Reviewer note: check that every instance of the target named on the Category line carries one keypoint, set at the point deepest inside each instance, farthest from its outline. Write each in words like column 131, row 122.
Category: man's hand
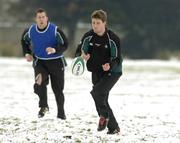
column 106, row 67
column 28, row 57
column 85, row 56
column 50, row 50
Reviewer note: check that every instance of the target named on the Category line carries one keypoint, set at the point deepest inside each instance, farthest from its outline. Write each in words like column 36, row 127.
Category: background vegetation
column 148, row 29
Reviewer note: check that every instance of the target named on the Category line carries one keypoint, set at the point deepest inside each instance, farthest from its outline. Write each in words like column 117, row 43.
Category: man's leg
column 112, row 124
column 100, row 94
column 57, row 83
column 41, row 81
column 95, row 79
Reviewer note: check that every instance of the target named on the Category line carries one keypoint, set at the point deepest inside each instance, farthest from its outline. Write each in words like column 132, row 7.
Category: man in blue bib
column 44, row 44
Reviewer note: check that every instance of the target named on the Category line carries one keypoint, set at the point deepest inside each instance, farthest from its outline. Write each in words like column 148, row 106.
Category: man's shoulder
column 32, row 26
column 27, row 29
column 113, row 35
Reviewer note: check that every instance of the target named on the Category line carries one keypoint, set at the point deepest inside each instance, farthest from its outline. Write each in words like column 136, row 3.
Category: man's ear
column 105, row 23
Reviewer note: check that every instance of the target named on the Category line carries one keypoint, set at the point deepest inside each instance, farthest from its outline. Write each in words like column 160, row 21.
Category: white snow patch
column 145, row 102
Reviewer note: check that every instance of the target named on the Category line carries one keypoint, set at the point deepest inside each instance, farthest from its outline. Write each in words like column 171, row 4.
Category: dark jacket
column 102, row 49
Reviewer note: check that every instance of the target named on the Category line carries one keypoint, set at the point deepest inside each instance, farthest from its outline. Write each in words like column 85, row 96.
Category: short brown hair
column 40, row 10
column 99, row 14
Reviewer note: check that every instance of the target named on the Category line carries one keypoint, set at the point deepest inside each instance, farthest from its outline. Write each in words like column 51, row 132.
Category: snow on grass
column 145, row 102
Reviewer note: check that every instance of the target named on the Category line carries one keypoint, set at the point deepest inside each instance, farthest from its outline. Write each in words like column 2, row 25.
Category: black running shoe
column 43, row 111
column 102, row 123
column 114, row 131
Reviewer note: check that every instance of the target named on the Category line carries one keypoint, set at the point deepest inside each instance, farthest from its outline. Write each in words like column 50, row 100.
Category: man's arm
column 25, row 42
column 83, row 46
column 26, row 46
column 62, row 42
column 115, row 51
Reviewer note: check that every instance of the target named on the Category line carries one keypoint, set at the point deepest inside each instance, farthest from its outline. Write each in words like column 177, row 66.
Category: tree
column 65, row 12
column 147, row 26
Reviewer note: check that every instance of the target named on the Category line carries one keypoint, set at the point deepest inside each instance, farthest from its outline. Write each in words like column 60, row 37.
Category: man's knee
column 40, row 84
column 38, row 79
column 96, row 91
column 98, row 96
column 37, row 88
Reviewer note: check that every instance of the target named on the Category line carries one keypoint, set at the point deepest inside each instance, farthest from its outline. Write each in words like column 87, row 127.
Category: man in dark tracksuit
column 44, row 43
column 100, row 47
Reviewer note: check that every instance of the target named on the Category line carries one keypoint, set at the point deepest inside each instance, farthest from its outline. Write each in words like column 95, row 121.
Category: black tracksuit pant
column 55, row 70
column 102, row 84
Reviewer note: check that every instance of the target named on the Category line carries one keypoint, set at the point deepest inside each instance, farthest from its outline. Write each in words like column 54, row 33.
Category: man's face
column 41, row 20
column 98, row 25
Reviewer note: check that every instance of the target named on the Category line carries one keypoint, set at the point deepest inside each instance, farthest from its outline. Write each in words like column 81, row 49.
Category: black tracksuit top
column 102, row 49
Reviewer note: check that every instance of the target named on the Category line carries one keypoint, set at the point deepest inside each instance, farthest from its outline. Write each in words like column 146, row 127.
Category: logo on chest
column 100, row 45
column 97, row 45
